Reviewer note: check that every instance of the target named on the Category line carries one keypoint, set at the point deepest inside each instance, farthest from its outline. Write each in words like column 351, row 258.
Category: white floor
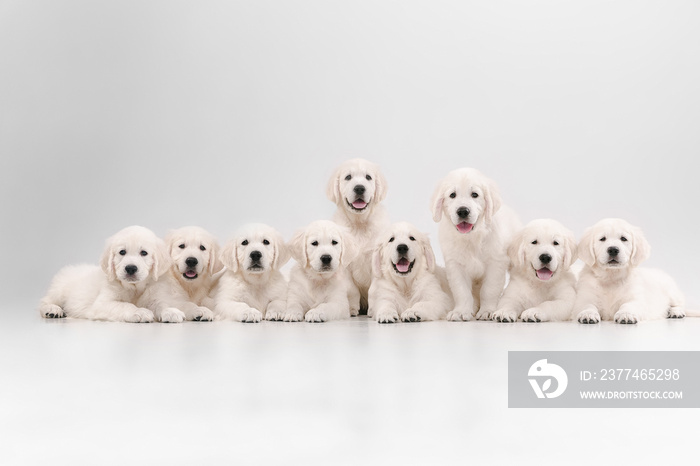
column 351, row 392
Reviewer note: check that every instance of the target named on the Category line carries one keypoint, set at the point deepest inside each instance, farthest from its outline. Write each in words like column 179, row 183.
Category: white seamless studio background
column 217, row 114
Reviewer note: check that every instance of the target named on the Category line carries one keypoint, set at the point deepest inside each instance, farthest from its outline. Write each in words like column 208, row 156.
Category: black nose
column 402, row 249
column 131, row 269
column 545, row 258
column 256, row 255
column 359, row 190
column 463, row 212
column 191, row 261
column 326, row 259
column 613, row 251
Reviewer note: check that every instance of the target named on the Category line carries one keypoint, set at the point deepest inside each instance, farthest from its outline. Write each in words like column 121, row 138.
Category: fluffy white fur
column 133, row 260
column 357, row 187
column 405, row 285
column 542, row 287
column 612, row 286
column 184, row 292
column 473, row 244
column 252, row 288
column 318, row 284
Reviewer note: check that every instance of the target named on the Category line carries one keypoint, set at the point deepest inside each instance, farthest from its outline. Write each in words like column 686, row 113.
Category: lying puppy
column 318, row 285
column 357, row 187
column 474, row 232
column 405, row 285
column 612, row 286
column 541, row 288
column 133, row 259
column 184, row 292
column 252, row 288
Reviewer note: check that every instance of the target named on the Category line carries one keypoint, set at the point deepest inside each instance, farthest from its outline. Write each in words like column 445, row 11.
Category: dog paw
column 293, row 316
column 484, row 314
column 588, row 317
column 410, row 315
column 202, row 314
column 274, row 315
column 251, row 316
column 505, row 316
column 676, row 313
column 52, row 311
column 459, row 315
column 534, row 315
column 387, row 317
column 172, row 315
column 624, row 317
column 140, row 315
column 315, row 316
column 354, row 311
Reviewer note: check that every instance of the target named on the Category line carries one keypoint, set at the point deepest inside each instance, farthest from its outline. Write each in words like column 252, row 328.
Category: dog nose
column 402, row 249
column 463, row 212
column 191, row 261
column 131, row 269
column 613, row 251
column 326, row 259
column 256, row 255
column 545, row 258
column 359, row 190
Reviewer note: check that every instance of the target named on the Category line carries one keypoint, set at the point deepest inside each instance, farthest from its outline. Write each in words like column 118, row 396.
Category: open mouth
column 465, row 227
column 190, row 274
column 613, row 263
column 256, row 268
column 131, row 279
column 358, row 204
column 544, row 274
column 403, row 266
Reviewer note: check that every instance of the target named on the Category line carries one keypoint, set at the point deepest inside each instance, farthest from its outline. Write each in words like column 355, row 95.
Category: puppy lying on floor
column 405, row 285
column 541, row 287
column 612, row 286
column 318, row 284
column 133, row 259
column 252, row 288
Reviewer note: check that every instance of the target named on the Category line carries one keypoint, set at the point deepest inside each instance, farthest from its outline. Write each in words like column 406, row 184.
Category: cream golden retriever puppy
column 184, row 292
column 541, row 287
column 405, row 285
column 612, row 286
column 474, row 232
column 252, row 288
column 318, row 284
column 132, row 261
column 357, row 187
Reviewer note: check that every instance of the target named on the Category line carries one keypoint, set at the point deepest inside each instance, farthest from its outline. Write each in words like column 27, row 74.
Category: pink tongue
column 190, row 274
column 544, row 274
column 465, row 227
column 359, row 204
column 402, row 265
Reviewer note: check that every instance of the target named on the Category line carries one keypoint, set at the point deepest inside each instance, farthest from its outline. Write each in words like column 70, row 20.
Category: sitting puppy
column 541, row 288
column 611, row 286
column 252, row 287
column 318, row 284
column 133, row 260
column 405, row 285
column 183, row 293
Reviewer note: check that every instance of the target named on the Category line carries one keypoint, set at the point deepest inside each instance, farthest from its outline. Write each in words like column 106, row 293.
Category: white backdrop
column 220, row 113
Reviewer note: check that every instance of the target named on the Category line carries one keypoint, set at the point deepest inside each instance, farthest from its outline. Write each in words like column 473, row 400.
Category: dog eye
column 453, row 195
column 348, row 178
column 144, row 253
column 603, row 238
column 369, row 178
column 122, row 252
column 266, row 242
column 534, row 242
column 334, row 242
column 556, row 243
column 315, row 243
column 244, row 243
column 182, row 246
column 391, row 240
column 411, row 238
column 475, row 195
column 202, row 248
column 622, row 238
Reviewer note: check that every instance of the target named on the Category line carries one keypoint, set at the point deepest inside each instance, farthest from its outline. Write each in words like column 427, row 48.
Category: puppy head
column 322, row 247
column 255, row 249
column 356, row 186
column 543, row 248
column 194, row 251
column 613, row 243
column 134, row 254
column 401, row 251
column 467, row 198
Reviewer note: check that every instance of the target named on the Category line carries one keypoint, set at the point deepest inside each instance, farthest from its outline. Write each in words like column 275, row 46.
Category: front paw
column 459, row 314
column 354, row 311
column 274, row 315
column 172, row 315
column 52, row 311
column 293, row 316
column 411, row 315
column 484, row 314
column 202, row 314
column 625, row 317
column 314, row 315
column 588, row 317
column 505, row 316
column 676, row 313
column 387, row 316
column 250, row 315
column 140, row 315
column 534, row 315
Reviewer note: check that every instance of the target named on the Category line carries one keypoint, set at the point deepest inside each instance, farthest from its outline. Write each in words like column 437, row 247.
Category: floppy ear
column 381, row 186
column 215, row 264
column 640, row 247
column 492, row 198
column 107, row 261
column 280, row 251
column 570, row 253
column 428, row 251
column 348, row 248
column 377, row 260
column 161, row 259
column 516, row 249
column 437, row 201
column 229, row 255
column 333, row 187
column 586, row 250
column 297, row 247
